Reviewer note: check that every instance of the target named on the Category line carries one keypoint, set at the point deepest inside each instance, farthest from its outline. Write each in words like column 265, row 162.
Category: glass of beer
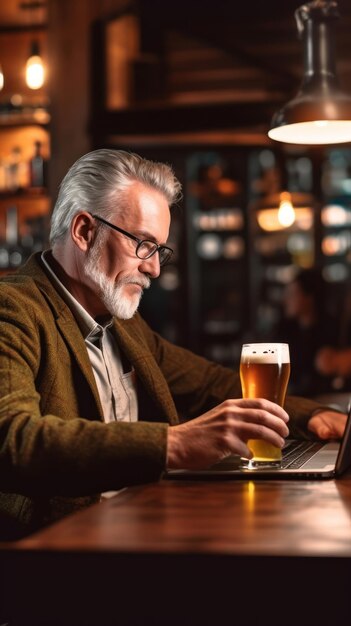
column 264, row 373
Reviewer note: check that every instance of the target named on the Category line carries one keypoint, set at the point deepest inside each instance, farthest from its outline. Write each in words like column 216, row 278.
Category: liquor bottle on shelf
column 23, row 174
column 15, row 256
column 3, row 178
column 14, row 175
column 37, row 168
column 13, row 169
column 36, row 229
column 4, row 255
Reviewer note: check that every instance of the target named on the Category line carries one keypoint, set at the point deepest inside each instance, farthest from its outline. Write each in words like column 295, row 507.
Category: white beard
column 112, row 293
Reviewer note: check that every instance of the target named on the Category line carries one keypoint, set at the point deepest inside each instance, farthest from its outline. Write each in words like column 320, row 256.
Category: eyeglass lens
column 146, row 249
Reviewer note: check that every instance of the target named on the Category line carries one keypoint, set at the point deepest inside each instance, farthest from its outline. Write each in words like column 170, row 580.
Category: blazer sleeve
column 56, row 450
column 197, row 384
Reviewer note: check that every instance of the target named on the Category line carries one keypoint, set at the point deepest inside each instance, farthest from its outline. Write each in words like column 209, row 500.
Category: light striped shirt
column 117, row 388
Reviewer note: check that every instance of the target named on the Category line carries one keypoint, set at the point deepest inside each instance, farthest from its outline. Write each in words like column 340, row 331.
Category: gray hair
column 97, row 181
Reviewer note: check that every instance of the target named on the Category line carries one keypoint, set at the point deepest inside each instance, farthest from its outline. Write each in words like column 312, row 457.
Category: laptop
column 301, row 459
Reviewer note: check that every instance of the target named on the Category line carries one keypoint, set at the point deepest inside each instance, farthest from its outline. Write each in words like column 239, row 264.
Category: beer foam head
column 265, row 353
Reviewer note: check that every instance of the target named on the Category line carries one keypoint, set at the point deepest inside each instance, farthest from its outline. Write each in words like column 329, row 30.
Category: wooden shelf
column 25, row 117
column 158, row 120
column 24, row 194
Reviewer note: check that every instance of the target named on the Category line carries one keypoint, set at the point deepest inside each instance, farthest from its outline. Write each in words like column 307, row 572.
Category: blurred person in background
column 335, row 362
column 307, row 327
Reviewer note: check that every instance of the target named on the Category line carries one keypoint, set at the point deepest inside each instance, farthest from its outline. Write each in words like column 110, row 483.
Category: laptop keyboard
column 296, row 453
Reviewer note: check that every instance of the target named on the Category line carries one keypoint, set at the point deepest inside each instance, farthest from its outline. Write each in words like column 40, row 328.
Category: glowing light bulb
column 35, row 73
column 286, row 212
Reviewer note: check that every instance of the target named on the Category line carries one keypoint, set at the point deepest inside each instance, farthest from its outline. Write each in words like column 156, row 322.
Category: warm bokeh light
column 2, row 81
column 35, row 73
column 336, row 215
column 336, row 244
column 286, row 212
column 269, row 221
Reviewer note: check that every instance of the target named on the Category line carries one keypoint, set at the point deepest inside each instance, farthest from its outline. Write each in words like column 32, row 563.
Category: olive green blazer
column 56, row 453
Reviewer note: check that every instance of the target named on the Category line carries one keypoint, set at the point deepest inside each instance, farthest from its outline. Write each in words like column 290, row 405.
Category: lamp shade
column 320, row 113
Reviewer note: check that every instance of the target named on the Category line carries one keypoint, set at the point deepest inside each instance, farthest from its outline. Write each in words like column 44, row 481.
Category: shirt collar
column 89, row 327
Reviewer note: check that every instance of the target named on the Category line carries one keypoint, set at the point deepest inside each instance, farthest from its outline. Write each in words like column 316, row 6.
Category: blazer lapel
column 147, row 371
column 74, row 340
column 67, row 326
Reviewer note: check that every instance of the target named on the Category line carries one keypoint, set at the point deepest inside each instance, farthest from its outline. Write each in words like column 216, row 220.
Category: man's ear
column 83, row 230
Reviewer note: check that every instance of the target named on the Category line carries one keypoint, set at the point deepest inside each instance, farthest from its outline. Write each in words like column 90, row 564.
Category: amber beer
column 264, row 373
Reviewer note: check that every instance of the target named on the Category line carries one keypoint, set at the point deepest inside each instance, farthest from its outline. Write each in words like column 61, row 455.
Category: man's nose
column 151, row 265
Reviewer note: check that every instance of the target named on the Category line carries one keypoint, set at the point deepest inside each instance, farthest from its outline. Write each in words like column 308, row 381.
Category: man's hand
column 328, row 424
column 225, row 430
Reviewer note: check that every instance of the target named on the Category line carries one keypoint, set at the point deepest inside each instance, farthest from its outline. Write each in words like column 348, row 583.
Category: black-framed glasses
column 145, row 248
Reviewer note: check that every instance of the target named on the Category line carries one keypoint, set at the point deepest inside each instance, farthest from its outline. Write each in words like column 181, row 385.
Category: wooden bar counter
column 184, row 553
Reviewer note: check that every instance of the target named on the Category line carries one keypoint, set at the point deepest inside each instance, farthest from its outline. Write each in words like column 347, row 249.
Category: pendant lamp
column 320, row 113
column 35, row 74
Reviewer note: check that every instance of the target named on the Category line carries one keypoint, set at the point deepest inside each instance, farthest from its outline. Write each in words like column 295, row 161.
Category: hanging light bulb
column 35, row 73
column 2, row 81
column 279, row 211
column 320, row 113
column 286, row 211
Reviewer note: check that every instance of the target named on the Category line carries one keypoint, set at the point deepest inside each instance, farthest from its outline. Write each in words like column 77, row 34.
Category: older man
column 89, row 394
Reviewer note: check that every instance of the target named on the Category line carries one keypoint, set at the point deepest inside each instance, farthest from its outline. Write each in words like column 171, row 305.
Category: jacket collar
column 64, row 318
column 146, row 368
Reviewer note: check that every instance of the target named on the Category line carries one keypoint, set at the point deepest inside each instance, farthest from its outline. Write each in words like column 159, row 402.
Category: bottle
column 15, row 256
column 37, row 168
column 4, row 255
column 13, row 169
column 3, row 176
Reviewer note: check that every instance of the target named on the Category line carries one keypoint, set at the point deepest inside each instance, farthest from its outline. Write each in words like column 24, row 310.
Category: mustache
column 144, row 282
